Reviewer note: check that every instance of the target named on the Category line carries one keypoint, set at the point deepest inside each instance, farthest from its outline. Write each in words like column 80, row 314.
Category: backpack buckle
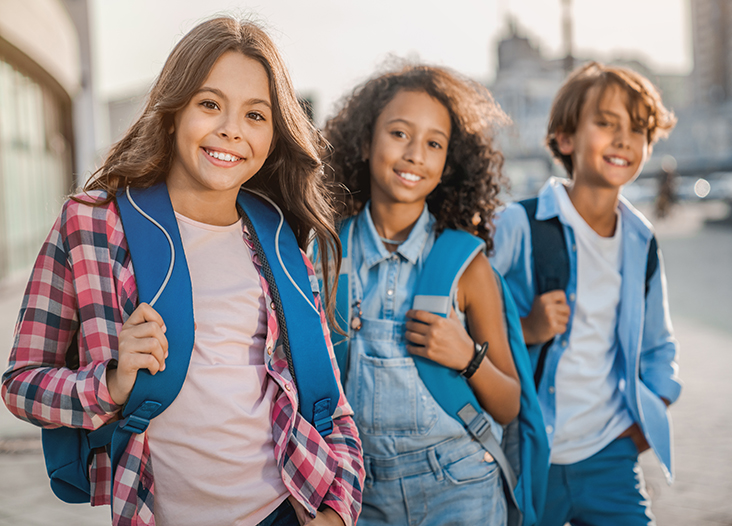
column 138, row 421
column 322, row 421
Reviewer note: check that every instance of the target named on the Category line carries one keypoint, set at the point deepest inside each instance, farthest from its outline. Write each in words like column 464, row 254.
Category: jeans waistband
column 420, row 462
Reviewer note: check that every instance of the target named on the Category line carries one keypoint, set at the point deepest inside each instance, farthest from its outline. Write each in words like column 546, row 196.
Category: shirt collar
column 548, row 207
column 373, row 248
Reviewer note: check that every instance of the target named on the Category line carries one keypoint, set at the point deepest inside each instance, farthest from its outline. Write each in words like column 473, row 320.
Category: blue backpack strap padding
column 531, row 459
column 436, row 284
column 151, row 252
column 300, row 325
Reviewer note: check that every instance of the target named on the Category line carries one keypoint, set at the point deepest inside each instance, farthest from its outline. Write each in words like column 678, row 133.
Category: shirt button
column 574, row 248
column 272, row 305
column 287, row 387
column 551, row 389
column 571, row 297
column 390, row 292
column 549, row 430
column 269, row 350
column 564, row 343
column 249, row 236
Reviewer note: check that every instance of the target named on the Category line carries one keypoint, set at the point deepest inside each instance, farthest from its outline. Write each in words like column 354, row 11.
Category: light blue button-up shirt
column 650, row 371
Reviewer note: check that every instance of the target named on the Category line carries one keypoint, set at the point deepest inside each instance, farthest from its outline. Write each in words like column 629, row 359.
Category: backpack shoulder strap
column 651, row 261
column 551, row 265
column 450, row 256
column 163, row 281
column 343, row 296
column 299, row 319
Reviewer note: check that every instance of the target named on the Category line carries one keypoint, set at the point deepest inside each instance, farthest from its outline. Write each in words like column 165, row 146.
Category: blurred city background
column 74, row 75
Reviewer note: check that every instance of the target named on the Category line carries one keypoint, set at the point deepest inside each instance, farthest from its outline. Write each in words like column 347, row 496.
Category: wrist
column 480, row 352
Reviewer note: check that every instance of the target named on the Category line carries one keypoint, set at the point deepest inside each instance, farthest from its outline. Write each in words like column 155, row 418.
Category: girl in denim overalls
column 414, row 150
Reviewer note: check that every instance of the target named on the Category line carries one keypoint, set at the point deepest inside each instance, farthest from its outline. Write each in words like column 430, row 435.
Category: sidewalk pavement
column 697, row 265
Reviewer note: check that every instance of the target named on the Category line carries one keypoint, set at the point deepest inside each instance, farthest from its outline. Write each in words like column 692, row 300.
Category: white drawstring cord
column 170, row 241
column 277, row 249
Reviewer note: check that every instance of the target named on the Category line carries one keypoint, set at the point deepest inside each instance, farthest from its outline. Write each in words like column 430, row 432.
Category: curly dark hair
column 467, row 197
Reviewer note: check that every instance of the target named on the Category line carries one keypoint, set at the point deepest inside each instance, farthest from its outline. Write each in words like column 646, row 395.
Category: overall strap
column 551, row 263
column 299, row 319
column 436, row 284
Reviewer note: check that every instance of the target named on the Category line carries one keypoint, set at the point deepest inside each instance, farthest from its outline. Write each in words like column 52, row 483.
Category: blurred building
column 40, row 74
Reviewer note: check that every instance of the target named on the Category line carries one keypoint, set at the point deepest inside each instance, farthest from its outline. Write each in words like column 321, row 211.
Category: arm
column 658, row 366
column 446, row 341
column 38, row 386
column 542, row 317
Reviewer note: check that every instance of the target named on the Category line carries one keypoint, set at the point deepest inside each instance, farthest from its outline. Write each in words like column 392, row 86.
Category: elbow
column 511, row 407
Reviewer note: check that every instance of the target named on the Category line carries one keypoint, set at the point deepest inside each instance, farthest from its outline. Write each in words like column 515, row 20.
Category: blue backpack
column 523, row 455
column 153, row 237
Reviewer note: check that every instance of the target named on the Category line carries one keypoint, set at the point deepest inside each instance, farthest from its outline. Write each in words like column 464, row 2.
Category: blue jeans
column 284, row 515
column 606, row 489
column 449, row 484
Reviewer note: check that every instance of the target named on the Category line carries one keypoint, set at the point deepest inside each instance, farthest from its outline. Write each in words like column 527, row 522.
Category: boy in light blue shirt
column 601, row 343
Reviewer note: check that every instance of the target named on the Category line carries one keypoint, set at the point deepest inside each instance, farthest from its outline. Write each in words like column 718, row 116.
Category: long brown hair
column 467, row 196
column 292, row 175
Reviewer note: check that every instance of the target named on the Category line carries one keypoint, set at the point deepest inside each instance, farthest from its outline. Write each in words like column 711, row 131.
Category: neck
column 210, row 207
column 596, row 205
column 394, row 221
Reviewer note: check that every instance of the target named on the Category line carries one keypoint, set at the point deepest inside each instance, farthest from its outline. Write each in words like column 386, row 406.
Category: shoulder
column 634, row 218
column 86, row 218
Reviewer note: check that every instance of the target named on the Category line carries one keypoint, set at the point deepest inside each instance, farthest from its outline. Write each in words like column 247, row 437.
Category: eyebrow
column 220, row 93
column 434, row 130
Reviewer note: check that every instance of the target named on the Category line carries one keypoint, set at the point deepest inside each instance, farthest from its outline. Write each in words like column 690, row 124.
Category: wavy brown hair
column 292, row 175
column 567, row 106
column 467, row 196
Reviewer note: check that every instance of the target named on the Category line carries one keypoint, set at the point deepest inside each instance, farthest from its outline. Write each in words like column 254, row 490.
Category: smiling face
column 223, row 135
column 408, row 148
column 608, row 149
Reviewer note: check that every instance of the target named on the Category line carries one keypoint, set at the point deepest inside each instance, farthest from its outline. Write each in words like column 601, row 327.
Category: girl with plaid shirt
column 232, row 448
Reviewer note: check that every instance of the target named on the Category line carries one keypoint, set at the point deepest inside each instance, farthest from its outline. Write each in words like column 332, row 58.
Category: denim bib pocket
column 471, row 468
column 391, row 398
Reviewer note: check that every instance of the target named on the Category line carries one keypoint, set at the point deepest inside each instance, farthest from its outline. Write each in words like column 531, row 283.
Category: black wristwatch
column 480, row 351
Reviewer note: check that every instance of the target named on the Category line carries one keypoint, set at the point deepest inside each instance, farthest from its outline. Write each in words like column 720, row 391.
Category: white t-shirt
column 591, row 410
column 212, row 450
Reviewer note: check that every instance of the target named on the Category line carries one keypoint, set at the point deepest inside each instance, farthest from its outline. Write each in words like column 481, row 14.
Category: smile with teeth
column 617, row 161
column 409, row 176
column 222, row 156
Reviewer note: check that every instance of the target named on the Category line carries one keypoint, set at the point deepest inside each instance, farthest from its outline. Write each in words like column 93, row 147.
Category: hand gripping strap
column 450, row 256
column 300, row 324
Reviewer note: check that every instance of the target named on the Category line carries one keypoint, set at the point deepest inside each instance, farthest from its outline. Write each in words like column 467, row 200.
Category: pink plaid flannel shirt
column 83, row 285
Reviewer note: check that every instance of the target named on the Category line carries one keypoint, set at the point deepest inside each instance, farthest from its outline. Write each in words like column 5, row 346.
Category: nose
column 622, row 137
column 414, row 152
column 230, row 127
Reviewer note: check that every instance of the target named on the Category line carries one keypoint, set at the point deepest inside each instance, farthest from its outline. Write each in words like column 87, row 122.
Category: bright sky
column 331, row 45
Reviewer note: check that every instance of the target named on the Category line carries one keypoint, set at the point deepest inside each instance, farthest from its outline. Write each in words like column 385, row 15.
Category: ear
column 565, row 143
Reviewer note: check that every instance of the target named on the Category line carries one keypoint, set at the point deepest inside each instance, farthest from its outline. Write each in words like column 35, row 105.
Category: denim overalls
column 421, row 465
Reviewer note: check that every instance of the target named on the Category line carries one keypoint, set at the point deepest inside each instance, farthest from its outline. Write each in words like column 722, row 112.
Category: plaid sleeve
column 47, row 382
column 344, row 493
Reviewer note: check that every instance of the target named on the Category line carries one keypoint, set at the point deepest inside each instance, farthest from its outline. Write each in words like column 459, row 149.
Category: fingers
column 423, row 316
column 554, row 296
column 145, row 313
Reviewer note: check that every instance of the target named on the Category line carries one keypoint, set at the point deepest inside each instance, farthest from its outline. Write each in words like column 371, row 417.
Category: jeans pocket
column 390, row 400
column 472, row 468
